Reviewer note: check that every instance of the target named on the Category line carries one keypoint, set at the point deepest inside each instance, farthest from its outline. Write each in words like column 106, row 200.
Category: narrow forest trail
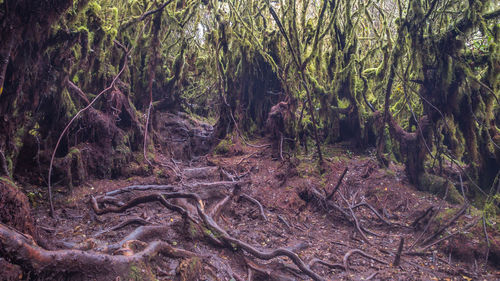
column 295, row 218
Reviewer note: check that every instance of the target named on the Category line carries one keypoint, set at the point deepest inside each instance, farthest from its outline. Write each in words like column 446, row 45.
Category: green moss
column 437, row 185
column 223, row 146
column 68, row 103
column 9, row 182
column 193, row 230
column 94, row 7
column 140, row 272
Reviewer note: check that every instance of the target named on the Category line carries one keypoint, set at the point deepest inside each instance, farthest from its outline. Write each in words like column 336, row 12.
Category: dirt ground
column 296, row 216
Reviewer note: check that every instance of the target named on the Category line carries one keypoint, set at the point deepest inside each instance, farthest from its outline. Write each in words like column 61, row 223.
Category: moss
column 135, row 273
column 9, row 182
column 391, row 173
column 223, row 146
column 94, row 7
column 68, row 103
column 193, row 230
column 190, row 269
column 139, row 272
column 437, row 185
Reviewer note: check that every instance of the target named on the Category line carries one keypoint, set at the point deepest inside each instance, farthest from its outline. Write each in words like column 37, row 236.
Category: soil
column 295, row 218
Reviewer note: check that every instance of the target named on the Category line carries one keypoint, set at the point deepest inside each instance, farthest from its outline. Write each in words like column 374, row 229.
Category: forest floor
column 296, row 216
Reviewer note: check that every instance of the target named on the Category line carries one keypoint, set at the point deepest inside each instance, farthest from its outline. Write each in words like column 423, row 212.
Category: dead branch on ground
column 397, row 259
column 446, row 225
column 360, row 252
column 337, row 185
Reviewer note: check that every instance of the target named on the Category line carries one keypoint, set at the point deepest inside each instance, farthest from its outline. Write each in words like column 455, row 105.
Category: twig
column 80, row 93
column 487, row 242
column 360, row 252
column 255, row 201
column 397, row 259
column 371, row 276
column 417, row 220
column 449, row 235
column 373, row 210
column 281, row 146
column 430, row 220
column 246, row 157
column 146, row 134
column 446, row 225
column 337, row 185
column 356, row 222
column 282, row 219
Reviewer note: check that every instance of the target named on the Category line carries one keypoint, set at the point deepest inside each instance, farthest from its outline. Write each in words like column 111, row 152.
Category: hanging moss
column 68, row 104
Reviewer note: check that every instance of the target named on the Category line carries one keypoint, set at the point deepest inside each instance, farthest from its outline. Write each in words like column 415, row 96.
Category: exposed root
column 256, row 202
column 200, row 173
column 123, row 224
column 216, row 233
column 134, row 202
column 141, row 233
column 219, row 207
column 356, row 222
column 19, row 249
column 141, row 188
column 357, row 251
column 370, row 207
column 110, row 200
column 264, row 272
column 315, row 261
column 283, row 220
column 214, row 185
